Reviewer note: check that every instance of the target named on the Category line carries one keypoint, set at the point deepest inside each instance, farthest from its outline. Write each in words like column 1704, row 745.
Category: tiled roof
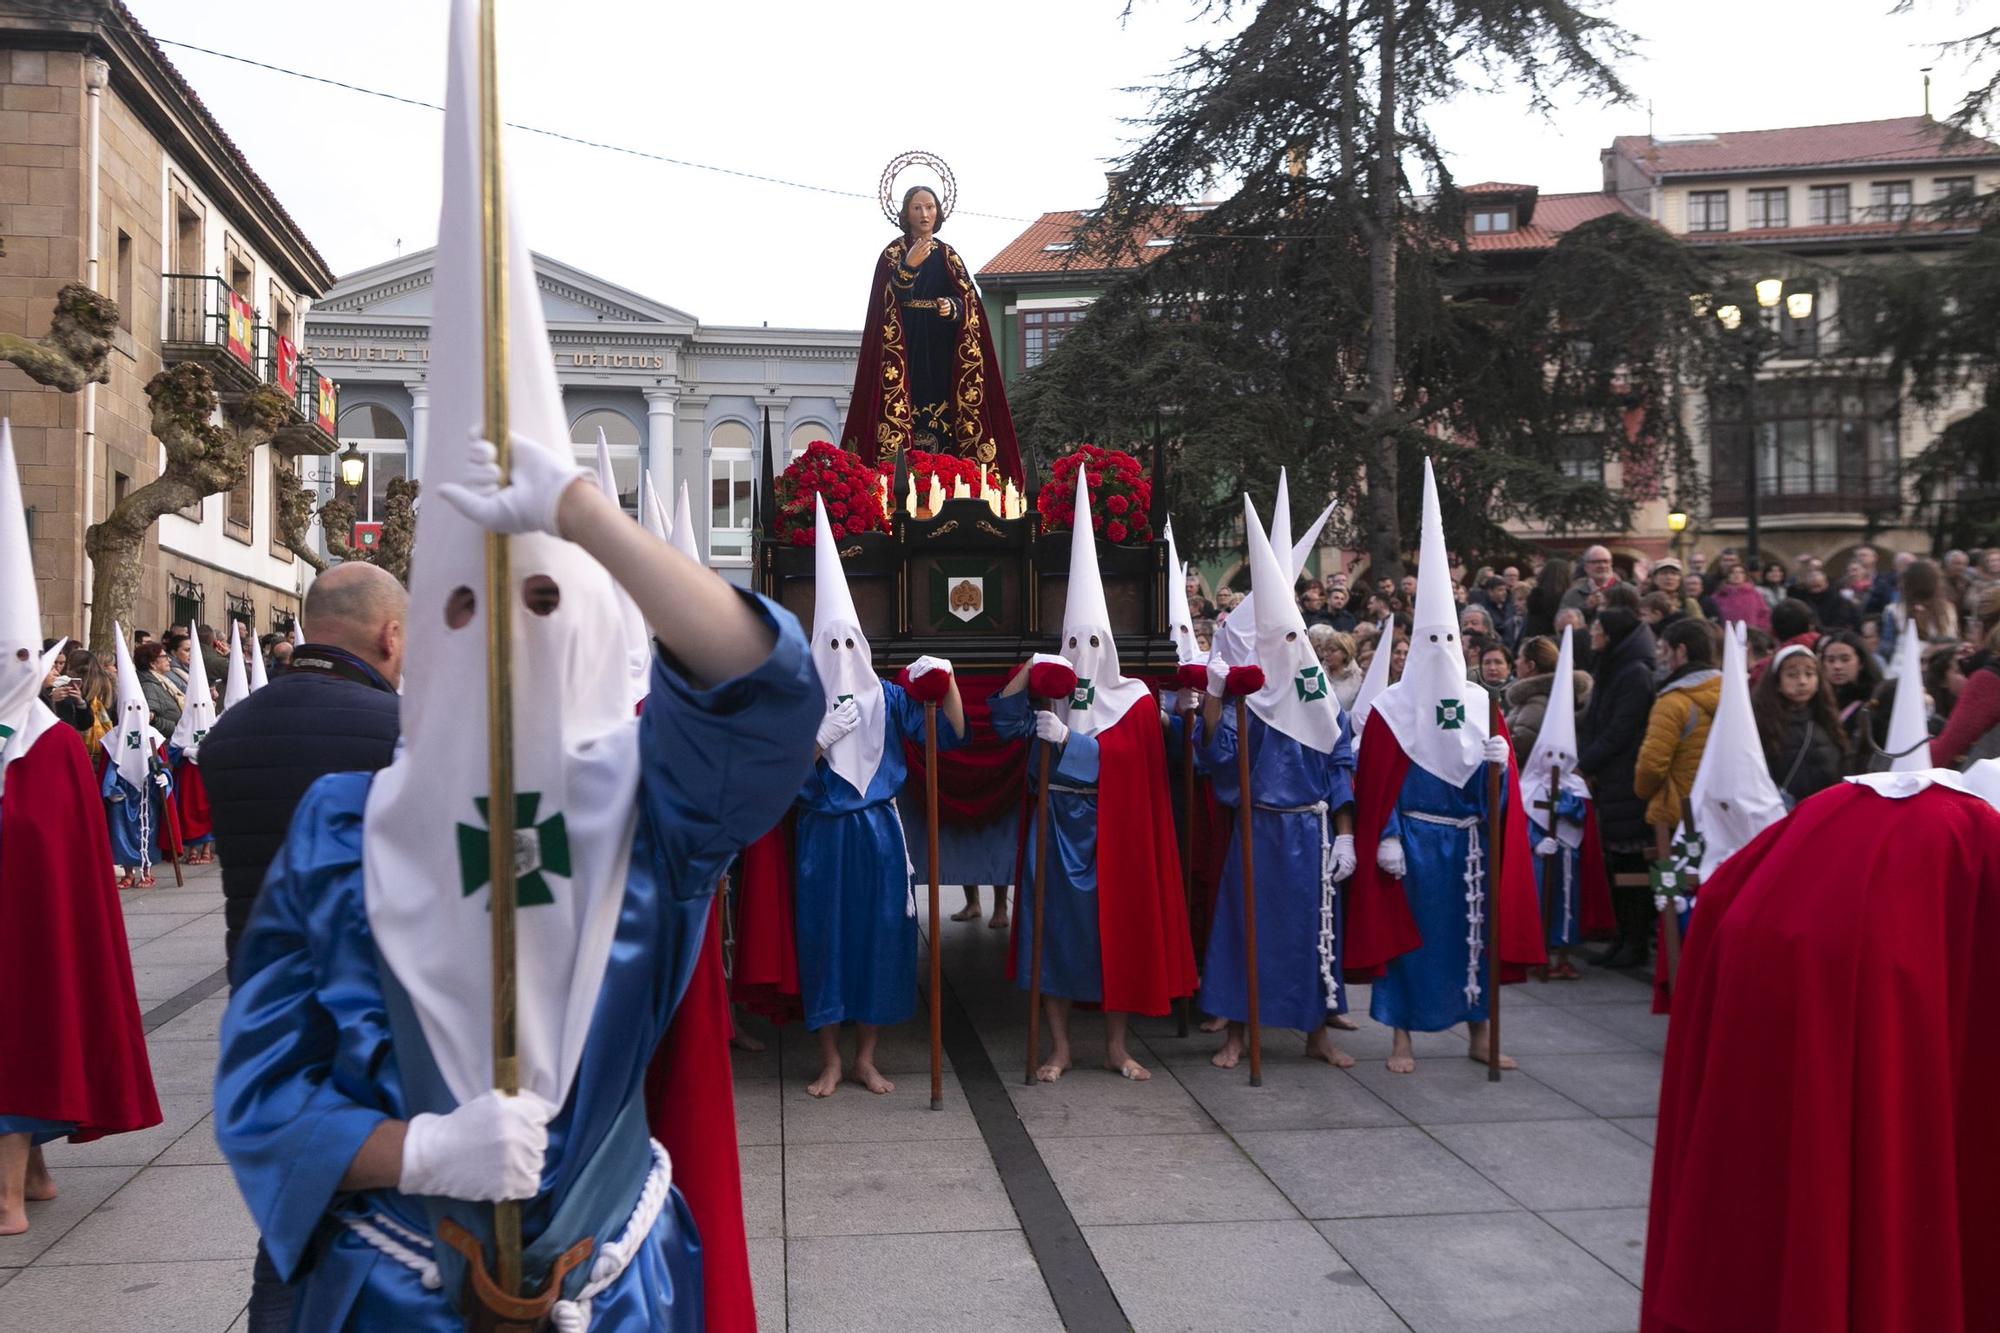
column 1856, row 231
column 1864, row 142
column 1554, row 215
column 1048, row 247
column 1497, row 187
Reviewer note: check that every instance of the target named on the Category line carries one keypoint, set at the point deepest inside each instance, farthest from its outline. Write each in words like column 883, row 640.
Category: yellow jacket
column 1676, row 733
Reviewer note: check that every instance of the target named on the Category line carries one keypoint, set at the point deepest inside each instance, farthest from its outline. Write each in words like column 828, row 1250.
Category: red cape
column 190, row 803
column 976, row 379
column 1379, row 925
column 1595, row 919
column 765, row 976
column 1142, row 918
column 691, row 1106
column 72, row 1047
column 1826, row 1156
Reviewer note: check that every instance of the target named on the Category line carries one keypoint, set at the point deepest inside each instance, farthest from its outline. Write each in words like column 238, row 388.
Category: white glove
column 160, row 781
column 487, row 1150
column 1389, row 858
column 1170, row 702
column 1496, row 749
column 1343, row 855
column 1050, row 727
column 537, row 478
column 923, row 666
column 1546, row 847
column 1218, row 677
column 839, row 720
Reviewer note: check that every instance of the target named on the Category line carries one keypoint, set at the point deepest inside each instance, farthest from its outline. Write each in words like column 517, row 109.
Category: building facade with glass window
column 206, row 267
column 677, row 401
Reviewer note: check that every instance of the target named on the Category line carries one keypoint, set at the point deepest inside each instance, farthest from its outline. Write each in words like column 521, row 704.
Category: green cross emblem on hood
column 1310, row 684
column 131, row 740
column 1085, row 694
column 1450, row 714
column 538, row 848
column 6, row 732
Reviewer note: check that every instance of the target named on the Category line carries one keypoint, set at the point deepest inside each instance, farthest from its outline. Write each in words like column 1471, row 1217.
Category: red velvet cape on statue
column 1827, row 1156
column 1142, row 925
column 1379, row 924
column 72, row 1047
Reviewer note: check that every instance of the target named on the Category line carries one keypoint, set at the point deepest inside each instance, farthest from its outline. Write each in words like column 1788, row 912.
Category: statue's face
column 923, row 213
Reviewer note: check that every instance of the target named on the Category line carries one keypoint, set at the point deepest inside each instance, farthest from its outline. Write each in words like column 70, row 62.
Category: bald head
column 359, row 609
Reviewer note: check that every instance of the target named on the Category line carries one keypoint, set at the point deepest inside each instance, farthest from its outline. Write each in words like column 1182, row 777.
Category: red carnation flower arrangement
column 1120, row 495
column 949, row 469
column 851, row 489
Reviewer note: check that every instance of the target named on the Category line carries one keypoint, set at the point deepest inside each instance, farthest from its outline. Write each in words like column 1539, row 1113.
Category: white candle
column 936, row 495
column 913, row 495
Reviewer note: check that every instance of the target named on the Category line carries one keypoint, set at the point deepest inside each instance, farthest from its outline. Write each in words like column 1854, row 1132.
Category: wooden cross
column 1547, row 805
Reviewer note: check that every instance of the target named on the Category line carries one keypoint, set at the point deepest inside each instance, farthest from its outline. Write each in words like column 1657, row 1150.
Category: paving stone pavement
column 1325, row 1199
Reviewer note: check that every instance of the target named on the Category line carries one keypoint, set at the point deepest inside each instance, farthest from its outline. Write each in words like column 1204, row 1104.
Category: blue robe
column 1072, row 965
column 1286, row 847
column 309, row 1066
column 1560, row 874
column 857, row 935
column 132, row 842
column 1424, row 990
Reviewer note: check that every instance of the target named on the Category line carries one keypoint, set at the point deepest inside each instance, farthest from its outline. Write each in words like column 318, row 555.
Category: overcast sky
column 1026, row 99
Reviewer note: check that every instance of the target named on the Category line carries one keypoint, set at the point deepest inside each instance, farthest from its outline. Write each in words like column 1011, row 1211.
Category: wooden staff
column 499, row 628
column 937, row 969
column 1254, row 1031
column 1182, row 1005
column 174, row 847
column 1035, row 937
column 1496, row 829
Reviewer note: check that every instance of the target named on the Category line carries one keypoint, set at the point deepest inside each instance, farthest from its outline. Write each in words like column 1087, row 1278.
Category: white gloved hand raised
column 1389, row 858
column 1050, row 727
column 160, row 781
column 923, row 666
column 537, row 478
column 839, row 720
column 1496, row 749
column 1546, row 847
column 1218, row 678
column 1343, row 855
column 487, row 1150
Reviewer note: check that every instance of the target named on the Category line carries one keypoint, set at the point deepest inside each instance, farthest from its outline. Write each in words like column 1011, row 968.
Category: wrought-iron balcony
column 208, row 323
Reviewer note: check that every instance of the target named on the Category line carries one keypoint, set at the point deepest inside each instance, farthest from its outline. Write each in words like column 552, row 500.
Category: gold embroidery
column 987, row 451
column 989, row 529
column 949, row 525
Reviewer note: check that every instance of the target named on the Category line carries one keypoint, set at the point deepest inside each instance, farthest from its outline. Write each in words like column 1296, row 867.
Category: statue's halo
column 892, row 206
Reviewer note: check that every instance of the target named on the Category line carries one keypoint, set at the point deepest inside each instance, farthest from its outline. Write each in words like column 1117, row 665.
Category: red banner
column 367, row 536
column 286, row 367
column 327, row 404
column 242, row 326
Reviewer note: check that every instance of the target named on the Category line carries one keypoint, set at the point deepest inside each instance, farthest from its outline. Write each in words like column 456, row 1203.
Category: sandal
column 1564, row 971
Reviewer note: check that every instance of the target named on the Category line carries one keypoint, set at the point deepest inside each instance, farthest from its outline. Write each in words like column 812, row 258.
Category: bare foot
column 1231, row 1053
column 13, row 1221
column 999, row 921
column 1214, row 1024
column 743, row 1041
column 828, row 1080
column 1053, row 1068
column 1319, row 1046
column 41, row 1185
column 969, row 912
column 1128, row 1068
column 1476, row 1050
column 869, row 1077
column 1342, row 1022
column 1402, row 1060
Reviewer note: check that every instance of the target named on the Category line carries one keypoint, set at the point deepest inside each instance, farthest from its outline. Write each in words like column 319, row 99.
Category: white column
column 420, row 426
column 660, row 444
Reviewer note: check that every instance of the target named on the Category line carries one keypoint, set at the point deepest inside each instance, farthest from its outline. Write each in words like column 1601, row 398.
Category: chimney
column 1114, row 187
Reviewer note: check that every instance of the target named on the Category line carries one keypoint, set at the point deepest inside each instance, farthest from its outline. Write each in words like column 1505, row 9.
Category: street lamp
column 1759, row 340
column 353, row 467
column 1677, row 522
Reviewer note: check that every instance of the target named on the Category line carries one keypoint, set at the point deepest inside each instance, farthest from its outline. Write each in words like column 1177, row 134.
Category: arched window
column 384, row 442
column 805, row 434
column 732, row 482
column 621, row 440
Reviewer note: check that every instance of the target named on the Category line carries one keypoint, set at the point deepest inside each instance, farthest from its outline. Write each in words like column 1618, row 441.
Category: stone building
column 676, row 399
column 113, row 173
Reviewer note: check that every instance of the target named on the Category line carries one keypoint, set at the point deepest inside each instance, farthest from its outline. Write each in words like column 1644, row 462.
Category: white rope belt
column 1475, row 894
column 1327, row 889
column 1569, row 890
column 412, row 1251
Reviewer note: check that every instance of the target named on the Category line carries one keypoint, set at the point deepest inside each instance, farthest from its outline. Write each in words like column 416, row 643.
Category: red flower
column 837, row 509
column 1117, row 504
column 800, row 537
column 1114, row 532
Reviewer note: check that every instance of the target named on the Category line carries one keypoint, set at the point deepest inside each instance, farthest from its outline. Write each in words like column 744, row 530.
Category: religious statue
column 928, row 378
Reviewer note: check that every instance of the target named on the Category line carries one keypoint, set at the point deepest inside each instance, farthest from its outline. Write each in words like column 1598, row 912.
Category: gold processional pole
column 499, row 627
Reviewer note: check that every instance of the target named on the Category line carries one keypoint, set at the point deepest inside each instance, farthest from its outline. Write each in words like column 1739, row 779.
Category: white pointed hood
column 198, row 709
column 1909, row 723
column 631, row 625
column 1103, row 694
column 576, row 743
column 682, row 534
column 1281, row 519
column 132, row 741
column 1180, row 616
column 1373, row 682
column 1236, row 638
column 651, row 516
column 845, row 662
column 298, row 632
column 1734, row 798
column 23, row 715
column 1440, row 718
column 1296, row 699
column 235, row 679
column 254, row 654
column 1555, row 747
